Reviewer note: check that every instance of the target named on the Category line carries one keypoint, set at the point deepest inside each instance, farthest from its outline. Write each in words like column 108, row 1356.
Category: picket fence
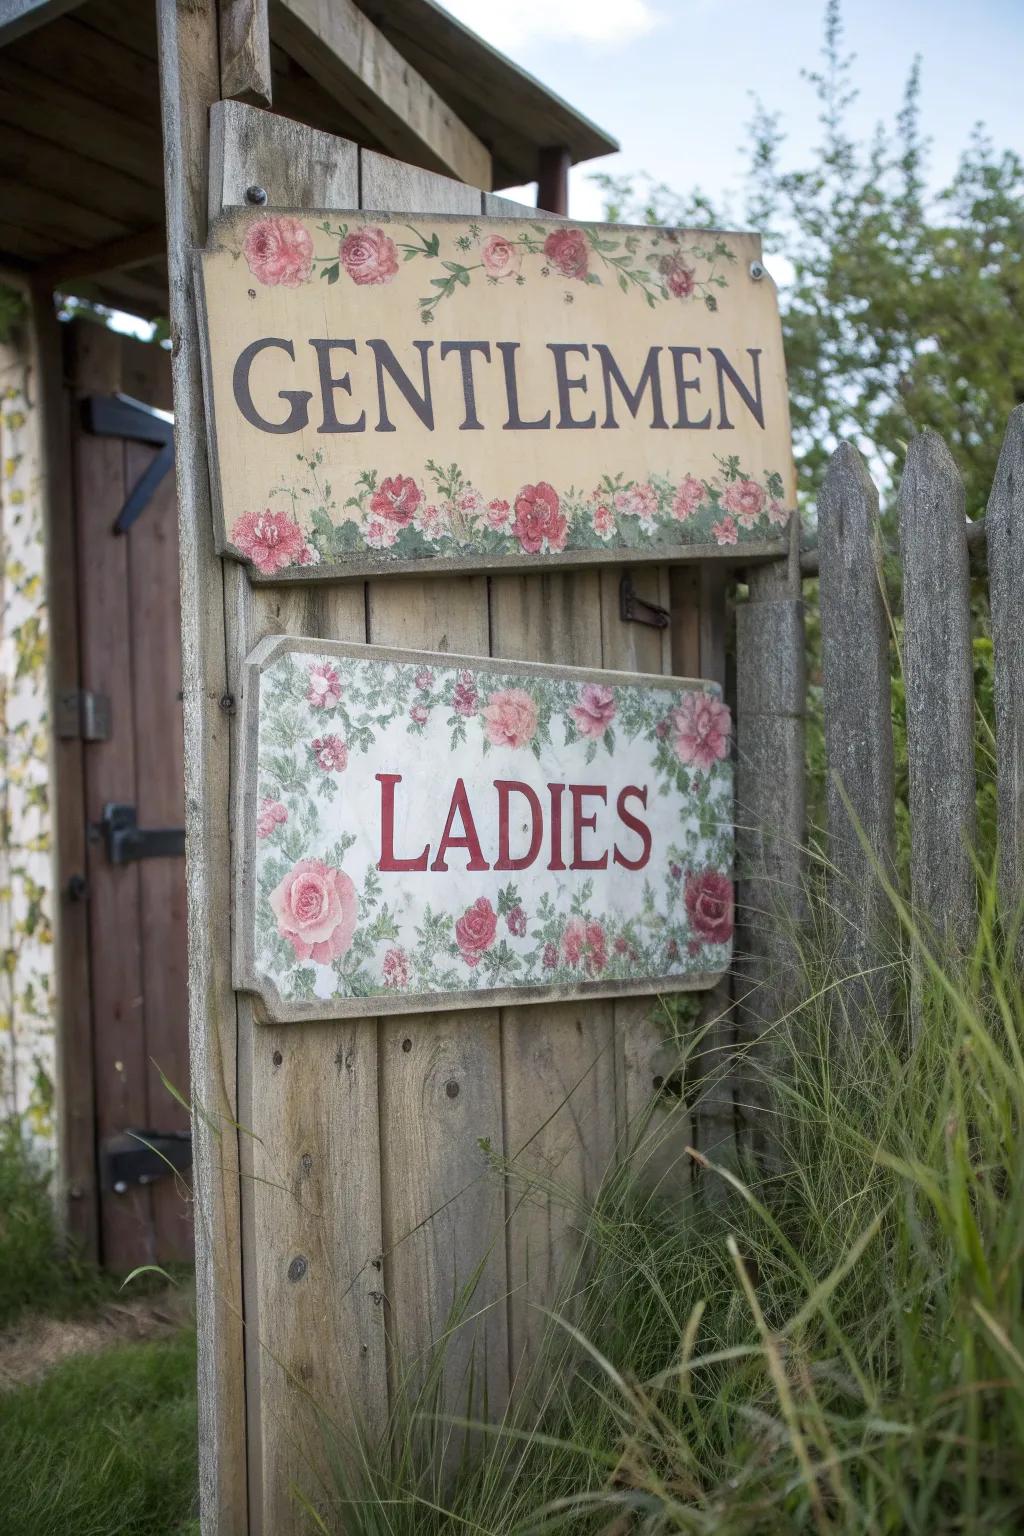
column 938, row 550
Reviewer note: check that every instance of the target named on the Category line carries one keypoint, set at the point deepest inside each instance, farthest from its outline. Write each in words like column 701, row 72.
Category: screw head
column 756, row 271
column 256, row 195
column 452, row 1089
column 297, row 1268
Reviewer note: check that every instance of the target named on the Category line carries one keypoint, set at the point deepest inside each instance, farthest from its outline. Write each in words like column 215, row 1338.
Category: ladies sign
column 422, row 831
column 452, row 392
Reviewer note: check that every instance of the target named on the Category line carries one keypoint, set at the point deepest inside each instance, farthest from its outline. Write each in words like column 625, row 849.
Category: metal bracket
column 126, row 841
column 122, row 416
column 634, row 609
column 82, row 715
column 142, row 1157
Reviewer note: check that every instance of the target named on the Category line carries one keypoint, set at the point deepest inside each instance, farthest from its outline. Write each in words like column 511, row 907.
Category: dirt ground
column 34, row 1346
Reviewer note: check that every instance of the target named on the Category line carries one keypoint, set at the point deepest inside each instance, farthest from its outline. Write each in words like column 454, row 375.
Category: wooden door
column 130, row 655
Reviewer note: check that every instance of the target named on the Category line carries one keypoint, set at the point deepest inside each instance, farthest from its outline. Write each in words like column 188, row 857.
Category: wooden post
column 553, row 180
column 939, row 677
column 1004, row 528
column 245, row 51
column 770, row 810
column 189, row 85
column 858, row 729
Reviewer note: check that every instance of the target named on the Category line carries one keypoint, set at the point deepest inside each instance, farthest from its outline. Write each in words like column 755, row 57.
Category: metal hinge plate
column 82, row 715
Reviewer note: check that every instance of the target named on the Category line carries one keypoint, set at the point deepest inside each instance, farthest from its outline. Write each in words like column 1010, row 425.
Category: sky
column 672, row 79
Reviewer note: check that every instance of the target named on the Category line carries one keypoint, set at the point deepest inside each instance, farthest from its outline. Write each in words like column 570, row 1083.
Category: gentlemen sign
column 425, row 831
column 451, row 392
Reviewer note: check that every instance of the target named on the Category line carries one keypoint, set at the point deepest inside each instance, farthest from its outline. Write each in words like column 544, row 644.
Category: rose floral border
column 313, row 707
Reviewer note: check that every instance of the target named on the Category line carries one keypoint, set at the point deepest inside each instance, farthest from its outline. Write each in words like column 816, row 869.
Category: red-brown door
column 130, row 656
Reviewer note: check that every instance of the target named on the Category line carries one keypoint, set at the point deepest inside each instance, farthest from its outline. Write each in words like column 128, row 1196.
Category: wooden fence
column 938, row 548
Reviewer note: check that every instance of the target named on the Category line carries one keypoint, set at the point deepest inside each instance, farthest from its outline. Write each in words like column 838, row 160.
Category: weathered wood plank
column 858, row 731
column 770, row 809
column 1004, row 521
column 20, row 16
column 430, row 1257
column 311, row 1197
column 342, row 49
column 938, row 674
column 245, row 71
column 190, row 84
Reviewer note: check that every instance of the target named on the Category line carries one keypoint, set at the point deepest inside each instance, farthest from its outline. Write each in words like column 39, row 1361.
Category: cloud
column 529, row 21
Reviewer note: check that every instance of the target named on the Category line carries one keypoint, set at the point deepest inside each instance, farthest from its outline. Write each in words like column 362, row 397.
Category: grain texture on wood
column 189, row 85
column 245, row 52
column 939, row 681
column 336, row 43
column 76, row 1139
column 770, row 811
column 1004, row 521
column 858, row 732
column 311, row 1171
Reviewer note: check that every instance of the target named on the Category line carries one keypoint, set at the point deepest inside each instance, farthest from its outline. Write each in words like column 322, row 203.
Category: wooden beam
column 245, row 52
column 20, row 16
column 112, row 256
column 345, row 53
column 553, row 180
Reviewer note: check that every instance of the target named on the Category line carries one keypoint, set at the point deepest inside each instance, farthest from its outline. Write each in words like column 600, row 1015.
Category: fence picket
column 1004, row 528
column 938, row 675
column 858, row 728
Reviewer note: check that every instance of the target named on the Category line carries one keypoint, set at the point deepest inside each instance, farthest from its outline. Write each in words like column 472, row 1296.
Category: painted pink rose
column 431, row 520
column 745, row 499
column 396, row 500
column 603, row 519
column 510, row 718
column 316, row 908
column 550, row 957
column 777, row 514
column 465, row 700
column 419, row 714
column 425, row 679
column 595, row 710
column 539, row 524
column 395, row 970
column 279, row 251
column 516, row 921
column 702, row 726
column 271, row 814
column 583, row 941
column 381, row 535
column 500, row 257
column 324, row 689
column 271, row 540
column 567, row 250
column 475, row 929
column 331, row 754
column 725, row 531
column 687, row 499
column 709, row 905
column 498, row 514
column 678, row 276
column 638, row 501
column 369, row 256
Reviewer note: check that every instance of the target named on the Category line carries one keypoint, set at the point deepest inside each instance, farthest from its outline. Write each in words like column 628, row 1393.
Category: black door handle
column 127, row 841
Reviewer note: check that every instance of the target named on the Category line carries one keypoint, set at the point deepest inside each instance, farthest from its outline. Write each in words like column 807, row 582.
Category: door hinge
column 82, row 715
column 634, row 609
column 142, row 1157
column 126, row 841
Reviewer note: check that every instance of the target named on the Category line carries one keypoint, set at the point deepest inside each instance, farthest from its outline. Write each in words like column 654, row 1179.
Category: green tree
column 904, row 308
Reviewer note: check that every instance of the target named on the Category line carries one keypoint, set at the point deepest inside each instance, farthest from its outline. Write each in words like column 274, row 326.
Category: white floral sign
column 425, row 831
column 450, row 392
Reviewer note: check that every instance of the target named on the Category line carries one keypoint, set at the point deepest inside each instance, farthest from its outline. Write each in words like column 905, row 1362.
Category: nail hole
column 306, row 1162
column 297, row 1268
column 277, row 1058
column 406, row 1045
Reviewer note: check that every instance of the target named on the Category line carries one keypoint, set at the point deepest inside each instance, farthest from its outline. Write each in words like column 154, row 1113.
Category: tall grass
column 829, row 1341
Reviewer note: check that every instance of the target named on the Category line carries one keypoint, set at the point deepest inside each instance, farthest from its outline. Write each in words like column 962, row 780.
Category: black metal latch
column 634, row 609
column 127, row 841
column 142, row 1157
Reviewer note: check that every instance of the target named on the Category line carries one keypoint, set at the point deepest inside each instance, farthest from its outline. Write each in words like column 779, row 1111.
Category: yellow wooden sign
column 455, row 393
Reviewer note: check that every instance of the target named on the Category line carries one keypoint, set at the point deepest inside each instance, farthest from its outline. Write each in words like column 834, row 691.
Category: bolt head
column 757, row 271
column 256, row 195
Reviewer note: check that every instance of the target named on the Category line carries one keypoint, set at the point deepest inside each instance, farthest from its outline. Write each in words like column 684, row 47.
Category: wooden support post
column 1004, row 523
column 189, row 85
column 939, row 676
column 553, row 167
column 770, row 809
column 858, row 731
column 245, row 52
